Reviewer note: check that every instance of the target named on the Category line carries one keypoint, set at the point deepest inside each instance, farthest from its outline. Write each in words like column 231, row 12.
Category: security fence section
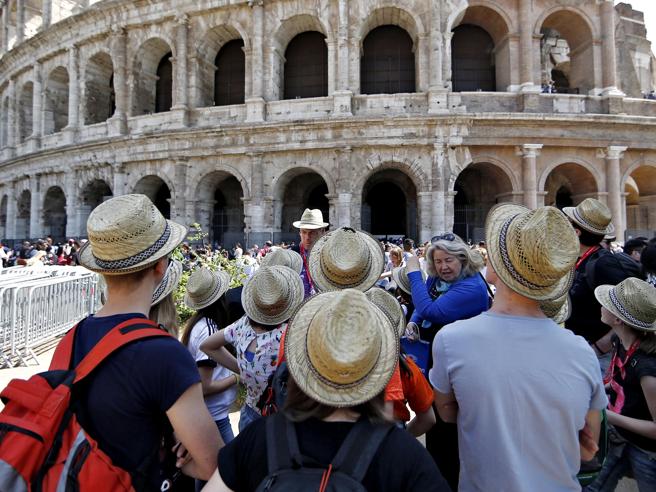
column 39, row 304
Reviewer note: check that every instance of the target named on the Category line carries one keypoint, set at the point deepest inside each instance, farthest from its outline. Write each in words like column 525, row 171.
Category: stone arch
column 481, row 40
column 147, row 62
column 597, row 177
column 23, row 215
column 3, row 216
column 159, row 192
column 413, row 169
column 219, row 207
column 287, row 30
column 391, row 15
column 478, row 187
column 93, row 193
column 568, row 184
column 99, row 95
column 574, row 62
column 54, row 213
column 55, row 111
column 25, row 109
column 639, row 184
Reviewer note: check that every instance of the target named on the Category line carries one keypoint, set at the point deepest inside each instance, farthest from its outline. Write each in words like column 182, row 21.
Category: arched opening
column 93, row 194
column 568, row 185
column 158, row 191
column 99, row 88
column 25, row 108
column 306, row 66
column 3, row 217
column 54, row 213
column 472, row 59
column 23, row 215
column 478, row 188
column 55, row 113
column 566, row 49
column 152, row 78
column 641, row 202
column 301, row 188
column 388, row 62
column 220, row 208
column 229, row 75
column 389, row 205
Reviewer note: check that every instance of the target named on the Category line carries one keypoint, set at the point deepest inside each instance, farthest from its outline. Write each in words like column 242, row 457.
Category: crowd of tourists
column 528, row 360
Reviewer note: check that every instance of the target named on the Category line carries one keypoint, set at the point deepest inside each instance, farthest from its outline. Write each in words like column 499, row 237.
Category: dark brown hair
column 216, row 313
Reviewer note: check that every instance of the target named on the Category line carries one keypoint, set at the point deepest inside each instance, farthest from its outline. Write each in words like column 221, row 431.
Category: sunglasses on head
column 443, row 237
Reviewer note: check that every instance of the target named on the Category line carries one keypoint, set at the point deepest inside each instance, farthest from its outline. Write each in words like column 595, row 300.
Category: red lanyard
column 305, row 264
column 589, row 252
column 610, row 373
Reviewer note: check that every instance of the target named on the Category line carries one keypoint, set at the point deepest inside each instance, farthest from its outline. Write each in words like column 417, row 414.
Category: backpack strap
column 359, row 448
column 61, row 359
column 282, row 444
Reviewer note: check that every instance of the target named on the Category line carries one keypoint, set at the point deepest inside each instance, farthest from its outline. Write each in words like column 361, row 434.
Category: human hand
column 412, row 264
column 182, row 456
column 412, row 331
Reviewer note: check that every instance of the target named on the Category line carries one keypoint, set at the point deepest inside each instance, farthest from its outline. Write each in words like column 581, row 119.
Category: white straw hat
column 559, row 309
column 285, row 257
column 346, row 259
column 272, row 295
column 169, row 282
column 340, row 348
column 632, row 300
column 311, row 219
column 389, row 305
column 593, row 216
column 204, row 287
column 400, row 277
column 127, row 234
column 532, row 251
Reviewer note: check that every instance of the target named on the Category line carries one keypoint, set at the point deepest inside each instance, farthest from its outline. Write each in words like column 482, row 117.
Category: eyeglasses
column 443, row 237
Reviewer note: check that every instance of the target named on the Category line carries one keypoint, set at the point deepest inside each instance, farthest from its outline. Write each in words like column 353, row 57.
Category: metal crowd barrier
column 37, row 309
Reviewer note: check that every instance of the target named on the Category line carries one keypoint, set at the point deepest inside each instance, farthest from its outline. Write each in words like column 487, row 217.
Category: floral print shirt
column 254, row 373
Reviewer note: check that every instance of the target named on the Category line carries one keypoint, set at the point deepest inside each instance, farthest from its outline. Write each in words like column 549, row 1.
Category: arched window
column 472, row 59
column 306, row 66
column 164, row 86
column 388, row 63
column 229, row 74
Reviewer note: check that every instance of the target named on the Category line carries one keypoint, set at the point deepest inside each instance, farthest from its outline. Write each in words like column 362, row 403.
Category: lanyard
column 610, row 376
column 589, row 252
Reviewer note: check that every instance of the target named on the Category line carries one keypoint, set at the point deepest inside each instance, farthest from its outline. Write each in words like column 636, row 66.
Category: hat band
column 585, row 222
column 161, row 287
column 503, row 249
column 618, row 305
column 135, row 259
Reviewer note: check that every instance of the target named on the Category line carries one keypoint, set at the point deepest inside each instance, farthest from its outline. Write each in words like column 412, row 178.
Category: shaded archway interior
column 641, row 202
column 158, row 191
column 389, row 205
column 568, row 185
column 305, row 190
column 306, row 66
column 54, row 213
column 388, row 62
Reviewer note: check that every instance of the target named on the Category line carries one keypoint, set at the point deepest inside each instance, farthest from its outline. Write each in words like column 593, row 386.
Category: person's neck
column 509, row 302
column 626, row 335
column 342, row 415
column 121, row 301
column 583, row 248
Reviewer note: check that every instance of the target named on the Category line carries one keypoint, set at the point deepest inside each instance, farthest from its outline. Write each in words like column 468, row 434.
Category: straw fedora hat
column 285, row 257
column 204, row 287
column 272, row 295
column 632, row 300
column 558, row 309
column 400, row 277
column 532, row 251
column 169, row 282
column 311, row 219
column 346, row 259
column 388, row 304
column 591, row 215
column 340, row 348
column 127, row 234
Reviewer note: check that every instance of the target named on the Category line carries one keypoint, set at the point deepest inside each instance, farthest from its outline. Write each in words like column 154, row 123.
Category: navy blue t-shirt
column 124, row 402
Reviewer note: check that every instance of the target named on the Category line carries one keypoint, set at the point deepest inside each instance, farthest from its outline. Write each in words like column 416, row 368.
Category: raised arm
column 214, row 347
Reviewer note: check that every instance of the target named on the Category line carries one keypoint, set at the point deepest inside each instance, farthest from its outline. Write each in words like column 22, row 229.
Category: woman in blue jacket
column 454, row 290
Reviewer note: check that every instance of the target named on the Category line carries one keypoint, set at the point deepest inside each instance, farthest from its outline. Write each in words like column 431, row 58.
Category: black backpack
column 289, row 471
column 625, row 267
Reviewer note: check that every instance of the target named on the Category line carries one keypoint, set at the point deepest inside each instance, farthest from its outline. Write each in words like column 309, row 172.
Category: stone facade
column 104, row 98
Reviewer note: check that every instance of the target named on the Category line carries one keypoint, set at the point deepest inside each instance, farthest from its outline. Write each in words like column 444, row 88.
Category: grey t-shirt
column 524, row 387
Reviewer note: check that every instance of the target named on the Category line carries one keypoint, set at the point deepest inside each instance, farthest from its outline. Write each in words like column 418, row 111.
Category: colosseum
column 399, row 117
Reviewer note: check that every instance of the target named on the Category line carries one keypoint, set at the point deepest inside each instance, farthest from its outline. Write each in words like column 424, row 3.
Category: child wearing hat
column 629, row 308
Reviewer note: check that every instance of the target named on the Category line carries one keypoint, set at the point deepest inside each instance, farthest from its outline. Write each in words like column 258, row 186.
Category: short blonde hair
column 396, row 251
column 471, row 260
column 165, row 314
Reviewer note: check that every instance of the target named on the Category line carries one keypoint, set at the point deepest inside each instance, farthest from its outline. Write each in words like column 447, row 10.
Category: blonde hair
column 165, row 314
column 397, row 252
column 471, row 260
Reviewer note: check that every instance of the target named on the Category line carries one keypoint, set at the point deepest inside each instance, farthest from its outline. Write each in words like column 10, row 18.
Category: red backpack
column 42, row 446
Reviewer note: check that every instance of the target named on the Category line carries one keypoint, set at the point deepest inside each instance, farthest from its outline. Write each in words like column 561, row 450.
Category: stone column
column 118, row 122
column 256, row 209
column 73, row 94
column 609, row 72
column 439, row 182
column 4, row 42
column 46, row 14
column 20, row 21
column 437, row 91
column 255, row 106
column 35, row 206
column 526, row 81
column 446, row 59
column 181, row 36
column 421, row 63
column 10, row 230
column 529, row 153
column 342, row 97
column 424, row 205
column 343, row 214
column 612, row 155
column 119, row 179
column 72, row 204
column 12, row 118
column 332, row 66
column 37, row 104
column 179, row 204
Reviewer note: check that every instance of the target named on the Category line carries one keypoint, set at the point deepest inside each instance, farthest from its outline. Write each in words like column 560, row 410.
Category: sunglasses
column 443, row 237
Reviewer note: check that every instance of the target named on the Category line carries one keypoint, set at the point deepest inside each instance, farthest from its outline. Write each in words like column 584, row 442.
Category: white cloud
column 649, row 9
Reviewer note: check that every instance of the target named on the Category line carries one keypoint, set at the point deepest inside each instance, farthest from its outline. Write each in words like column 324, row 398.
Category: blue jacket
column 466, row 298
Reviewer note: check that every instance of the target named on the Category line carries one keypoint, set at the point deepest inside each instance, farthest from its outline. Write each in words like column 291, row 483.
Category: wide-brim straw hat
column 632, row 300
column 341, row 349
column 127, row 234
column 272, row 295
column 311, row 219
column 346, row 259
column 205, row 287
column 169, row 282
column 559, row 310
column 532, row 251
column 593, row 216
column 400, row 277
column 285, row 257
column 389, row 305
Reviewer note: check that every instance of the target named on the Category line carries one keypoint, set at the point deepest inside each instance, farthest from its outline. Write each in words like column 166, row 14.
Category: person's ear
column 160, row 268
